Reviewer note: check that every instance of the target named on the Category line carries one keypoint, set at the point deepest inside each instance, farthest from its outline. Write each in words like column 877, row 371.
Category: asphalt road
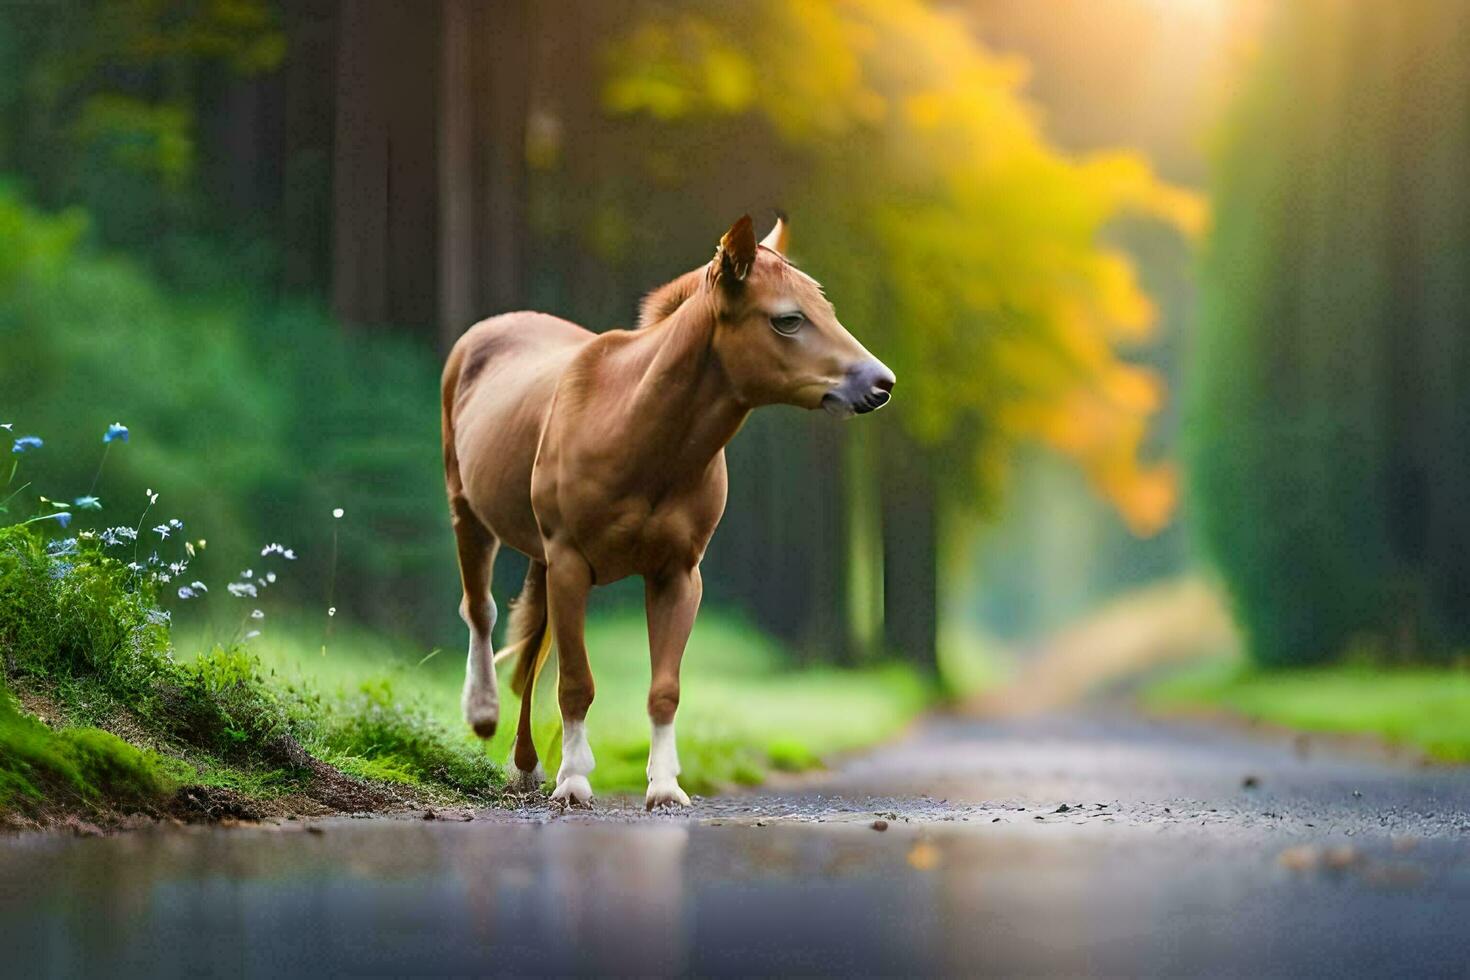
column 1057, row 846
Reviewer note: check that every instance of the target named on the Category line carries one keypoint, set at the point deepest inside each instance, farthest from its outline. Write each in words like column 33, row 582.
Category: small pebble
column 880, row 824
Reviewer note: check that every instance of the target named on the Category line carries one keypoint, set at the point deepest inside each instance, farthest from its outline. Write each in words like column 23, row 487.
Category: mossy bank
column 100, row 723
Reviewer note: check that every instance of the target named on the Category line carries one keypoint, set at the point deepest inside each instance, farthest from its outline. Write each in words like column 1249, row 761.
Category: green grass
column 744, row 712
column 76, row 765
column 85, row 633
column 1425, row 708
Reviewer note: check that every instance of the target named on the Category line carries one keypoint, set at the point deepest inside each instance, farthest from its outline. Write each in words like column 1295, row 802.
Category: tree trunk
column 307, row 123
column 386, row 177
column 910, row 549
column 484, row 103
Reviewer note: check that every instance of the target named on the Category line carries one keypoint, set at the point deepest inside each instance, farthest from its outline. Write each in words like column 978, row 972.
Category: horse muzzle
column 866, row 388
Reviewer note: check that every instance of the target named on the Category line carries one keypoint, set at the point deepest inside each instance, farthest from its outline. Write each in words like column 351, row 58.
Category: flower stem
column 106, row 447
column 13, row 495
column 138, row 531
column 331, row 591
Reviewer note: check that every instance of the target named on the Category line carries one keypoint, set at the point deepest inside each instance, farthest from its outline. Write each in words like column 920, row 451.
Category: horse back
column 498, row 385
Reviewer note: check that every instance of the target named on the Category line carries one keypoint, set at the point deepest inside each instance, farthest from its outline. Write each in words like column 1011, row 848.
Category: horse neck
column 684, row 407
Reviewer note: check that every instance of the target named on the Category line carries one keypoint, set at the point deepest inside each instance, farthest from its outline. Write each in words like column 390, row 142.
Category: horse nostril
column 879, row 396
column 883, row 381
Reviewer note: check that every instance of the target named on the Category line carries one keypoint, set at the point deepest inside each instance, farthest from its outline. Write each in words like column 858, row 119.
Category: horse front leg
column 672, row 603
column 568, row 581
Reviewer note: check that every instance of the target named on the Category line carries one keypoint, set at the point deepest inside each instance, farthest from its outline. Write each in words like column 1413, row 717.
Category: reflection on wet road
column 1158, row 850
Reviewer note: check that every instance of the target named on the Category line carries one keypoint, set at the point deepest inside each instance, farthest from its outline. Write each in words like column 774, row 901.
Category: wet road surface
column 1060, row 846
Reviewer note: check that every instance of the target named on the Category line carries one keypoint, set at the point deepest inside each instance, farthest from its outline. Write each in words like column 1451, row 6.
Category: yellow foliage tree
column 951, row 233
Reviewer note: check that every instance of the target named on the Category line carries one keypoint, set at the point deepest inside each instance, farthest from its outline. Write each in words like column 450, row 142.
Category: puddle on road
column 661, row 896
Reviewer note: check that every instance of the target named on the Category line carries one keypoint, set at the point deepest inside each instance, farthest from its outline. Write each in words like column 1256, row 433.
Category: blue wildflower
column 60, row 569
column 25, row 443
column 114, row 432
column 88, row 502
column 162, row 531
column 199, row 586
column 62, row 546
column 63, row 518
column 175, row 523
column 185, row 592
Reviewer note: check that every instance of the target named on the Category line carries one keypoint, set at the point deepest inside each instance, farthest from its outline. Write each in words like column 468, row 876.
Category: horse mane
column 664, row 300
column 660, row 304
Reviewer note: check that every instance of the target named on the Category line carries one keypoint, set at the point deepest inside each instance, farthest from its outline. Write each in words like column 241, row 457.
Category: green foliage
column 100, row 103
column 956, row 239
column 1327, row 418
column 85, row 628
column 1422, row 708
column 221, row 703
column 62, row 616
column 253, row 423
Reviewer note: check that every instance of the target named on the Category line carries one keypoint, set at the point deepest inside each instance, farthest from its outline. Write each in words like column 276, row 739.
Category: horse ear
column 780, row 235
column 736, row 253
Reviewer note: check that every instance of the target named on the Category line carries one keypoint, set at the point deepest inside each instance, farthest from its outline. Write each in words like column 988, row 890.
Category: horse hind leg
column 480, row 701
column 528, row 641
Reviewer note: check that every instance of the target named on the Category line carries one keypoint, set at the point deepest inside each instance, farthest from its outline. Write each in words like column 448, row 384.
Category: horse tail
column 528, row 637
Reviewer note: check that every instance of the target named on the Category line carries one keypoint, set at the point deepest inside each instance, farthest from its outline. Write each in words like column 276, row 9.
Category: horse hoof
column 573, row 791
column 523, row 783
column 481, row 711
column 665, row 792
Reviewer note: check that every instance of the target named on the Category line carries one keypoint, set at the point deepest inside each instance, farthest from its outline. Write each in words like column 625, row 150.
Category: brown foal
column 602, row 455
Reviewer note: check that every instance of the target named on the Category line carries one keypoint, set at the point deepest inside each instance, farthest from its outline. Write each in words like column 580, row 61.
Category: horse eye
column 787, row 323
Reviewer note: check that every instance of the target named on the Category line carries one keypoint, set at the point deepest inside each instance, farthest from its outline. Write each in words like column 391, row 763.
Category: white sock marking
column 480, row 701
column 576, row 764
column 663, row 769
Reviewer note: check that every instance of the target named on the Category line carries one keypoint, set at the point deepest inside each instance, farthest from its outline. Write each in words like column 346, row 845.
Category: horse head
column 778, row 338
